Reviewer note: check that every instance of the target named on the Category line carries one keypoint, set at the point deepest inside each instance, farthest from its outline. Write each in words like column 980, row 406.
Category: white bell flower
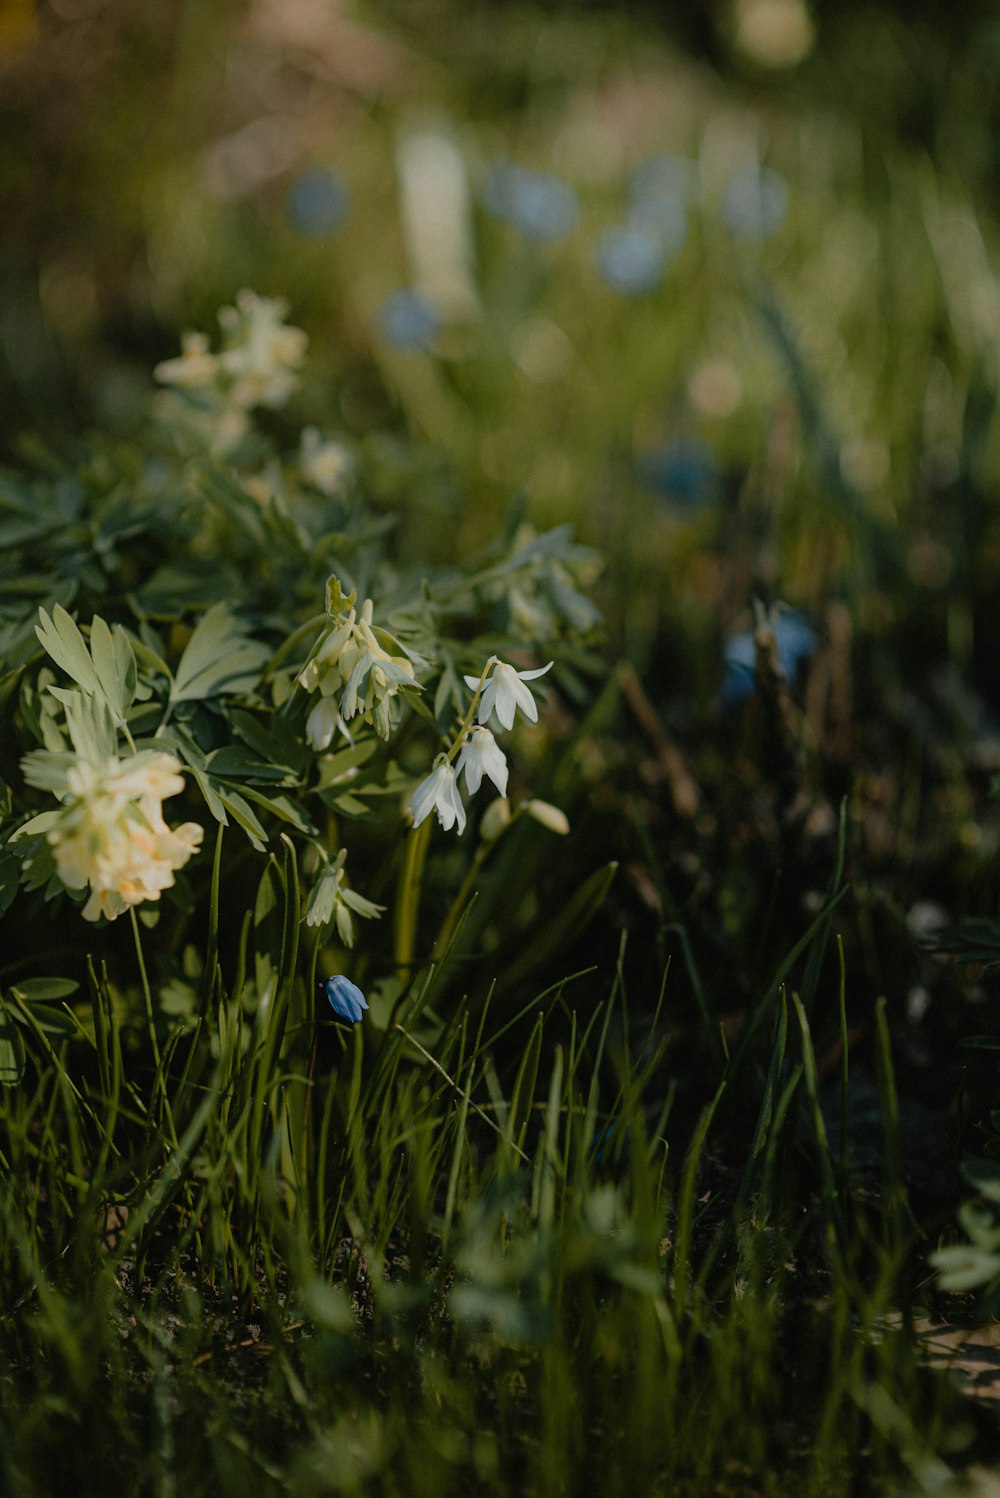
column 505, row 692
column 481, row 754
column 440, row 793
column 321, row 723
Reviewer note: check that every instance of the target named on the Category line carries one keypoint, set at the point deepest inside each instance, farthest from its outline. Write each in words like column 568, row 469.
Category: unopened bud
column 495, row 818
column 550, row 816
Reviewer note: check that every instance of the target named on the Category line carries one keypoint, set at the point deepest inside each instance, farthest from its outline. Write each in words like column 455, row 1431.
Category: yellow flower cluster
column 257, row 366
column 110, row 832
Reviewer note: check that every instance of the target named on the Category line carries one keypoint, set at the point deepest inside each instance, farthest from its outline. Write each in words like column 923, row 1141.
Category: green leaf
column 90, row 722
column 12, row 1060
column 243, row 815
column 10, row 875
column 283, row 807
column 219, row 657
column 45, row 990
column 178, row 586
column 336, row 600
column 564, row 926
column 984, row 1177
column 233, row 761
column 278, row 743
column 115, row 665
column 212, row 798
column 333, row 766
column 65, row 644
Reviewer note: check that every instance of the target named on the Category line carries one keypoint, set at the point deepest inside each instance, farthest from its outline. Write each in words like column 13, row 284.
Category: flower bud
column 495, row 818
column 550, row 816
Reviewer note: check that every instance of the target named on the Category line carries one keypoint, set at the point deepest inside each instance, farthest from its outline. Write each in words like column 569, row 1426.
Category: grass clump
column 514, row 1262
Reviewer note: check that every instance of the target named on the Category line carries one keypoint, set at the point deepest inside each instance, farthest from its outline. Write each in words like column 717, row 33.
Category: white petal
column 494, row 762
column 487, row 701
column 459, row 809
column 506, row 699
column 524, row 700
column 531, row 675
column 425, row 796
column 470, row 764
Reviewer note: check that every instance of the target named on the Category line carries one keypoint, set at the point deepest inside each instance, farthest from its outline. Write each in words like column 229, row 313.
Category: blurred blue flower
column 318, row 202
column 409, row 320
column 346, row 998
column 540, row 206
column 684, row 476
column 631, row 260
column 658, row 191
column 755, row 203
column 794, row 639
column 661, row 177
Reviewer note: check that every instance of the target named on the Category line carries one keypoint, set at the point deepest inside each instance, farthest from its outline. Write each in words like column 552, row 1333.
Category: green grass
column 415, row 1260
column 564, row 1214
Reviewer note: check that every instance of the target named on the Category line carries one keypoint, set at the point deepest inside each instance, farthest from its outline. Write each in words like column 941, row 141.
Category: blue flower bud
column 318, row 202
column 755, row 204
column 346, row 998
column 409, row 320
column 794, row 639
column 541, row 207
column 631, row 260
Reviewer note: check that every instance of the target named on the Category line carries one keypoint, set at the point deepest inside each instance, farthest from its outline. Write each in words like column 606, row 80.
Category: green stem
column 408, row 902
column 147, row 995
column 458, row 904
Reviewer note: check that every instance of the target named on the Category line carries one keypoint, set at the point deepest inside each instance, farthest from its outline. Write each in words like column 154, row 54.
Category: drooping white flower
column 481, row 754
column 505, row 692
column 332, row 899
column 110, row 833
column 323, row 721
column 353, row 662
column 440, row 793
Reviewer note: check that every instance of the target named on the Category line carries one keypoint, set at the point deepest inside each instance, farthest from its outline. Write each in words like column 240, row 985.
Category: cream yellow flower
column 110, row 833
column 326, row 465
column 262, row 353
column 195, row 368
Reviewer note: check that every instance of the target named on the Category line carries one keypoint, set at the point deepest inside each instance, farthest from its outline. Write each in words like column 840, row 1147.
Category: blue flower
column 409, row 320
column 794, row 639
column 540, row 206
column 318, row 202
column 683, row 476
column 755, row 204
column 346, row 998
column 657, row 193
column 631, row 260
column 660, row 179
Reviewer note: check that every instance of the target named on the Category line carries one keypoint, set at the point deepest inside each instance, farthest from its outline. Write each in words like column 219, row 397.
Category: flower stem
column 408, row 902
column 161, row 1080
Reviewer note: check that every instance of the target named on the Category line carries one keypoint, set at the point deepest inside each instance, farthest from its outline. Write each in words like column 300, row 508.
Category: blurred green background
column 794, row 322
column 714, row 282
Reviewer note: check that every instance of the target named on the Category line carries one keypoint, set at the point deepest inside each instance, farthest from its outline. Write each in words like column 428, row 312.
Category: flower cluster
column 257, row 365
column 324, row 464
column 110, row 833
column 499, row 692
column 352, row 660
